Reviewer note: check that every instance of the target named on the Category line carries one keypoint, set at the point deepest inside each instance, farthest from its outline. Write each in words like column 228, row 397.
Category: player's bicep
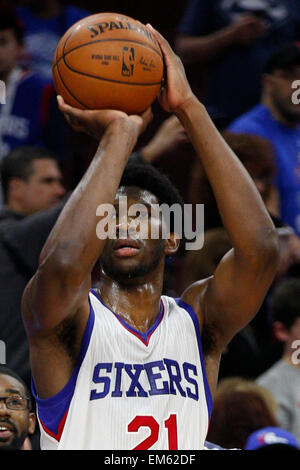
column 234, row 294
column 55, row 318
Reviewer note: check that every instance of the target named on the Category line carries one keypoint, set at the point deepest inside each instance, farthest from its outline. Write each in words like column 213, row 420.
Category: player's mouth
column 6, row 431
column 125, row 248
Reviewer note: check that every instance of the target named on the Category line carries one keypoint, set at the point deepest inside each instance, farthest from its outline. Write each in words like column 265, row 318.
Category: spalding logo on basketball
column 108, row 61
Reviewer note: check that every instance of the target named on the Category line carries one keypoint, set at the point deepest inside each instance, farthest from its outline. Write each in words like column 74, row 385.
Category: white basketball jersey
column 131, row 390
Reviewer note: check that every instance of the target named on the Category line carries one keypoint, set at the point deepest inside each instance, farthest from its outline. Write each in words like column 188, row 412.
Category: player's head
column 285, row 307
column 17, row 421
column 142, row 237
column 31, row 180
column 11, row 39
column 280, row 72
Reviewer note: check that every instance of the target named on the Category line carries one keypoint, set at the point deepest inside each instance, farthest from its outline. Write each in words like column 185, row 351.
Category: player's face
column 10, row 51
column 281, row 92
column 43, row 189
column 133, row 253
column 15, row 425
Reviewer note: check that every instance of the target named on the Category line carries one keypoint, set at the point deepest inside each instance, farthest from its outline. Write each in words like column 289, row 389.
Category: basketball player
column 123, row 367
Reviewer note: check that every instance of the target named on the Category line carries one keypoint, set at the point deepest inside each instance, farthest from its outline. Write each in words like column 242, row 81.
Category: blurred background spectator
column 277, row 118
column 240, row 408
column 44, row 24
column 30, row 114
column 232, row 40
column 17, row 420
column 283, row 378
column 270, row 439
column 31, row 181
column 23, row 116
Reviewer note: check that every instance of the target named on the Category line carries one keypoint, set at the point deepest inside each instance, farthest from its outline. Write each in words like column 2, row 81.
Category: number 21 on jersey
column 169, row 426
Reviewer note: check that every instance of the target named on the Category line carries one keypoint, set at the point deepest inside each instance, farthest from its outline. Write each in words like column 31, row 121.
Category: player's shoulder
column 193, row 293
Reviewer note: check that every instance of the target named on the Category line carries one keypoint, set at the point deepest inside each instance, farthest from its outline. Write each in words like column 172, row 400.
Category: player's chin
column 126, row 263
column 125, row 271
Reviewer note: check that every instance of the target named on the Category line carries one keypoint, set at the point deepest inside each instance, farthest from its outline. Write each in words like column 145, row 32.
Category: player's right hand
column 176, row 92
column 96, row 122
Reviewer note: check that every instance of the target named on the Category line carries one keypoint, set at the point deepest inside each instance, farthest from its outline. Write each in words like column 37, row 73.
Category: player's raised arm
column 228, row 300
column 55, row 302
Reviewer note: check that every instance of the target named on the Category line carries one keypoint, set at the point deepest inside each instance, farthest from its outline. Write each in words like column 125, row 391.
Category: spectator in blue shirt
column 277, row 118
column 45, row 22
column 28, row 113
column 233, row 40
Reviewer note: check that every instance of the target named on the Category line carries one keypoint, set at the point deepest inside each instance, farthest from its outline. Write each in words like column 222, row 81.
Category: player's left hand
column 95, row 122
column 176, row 92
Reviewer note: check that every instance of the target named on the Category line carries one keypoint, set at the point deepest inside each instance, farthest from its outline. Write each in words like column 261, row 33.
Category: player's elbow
column 267, row 250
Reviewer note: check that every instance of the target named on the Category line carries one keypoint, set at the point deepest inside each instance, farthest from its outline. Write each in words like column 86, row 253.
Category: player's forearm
column 193, row 49
column 74, row 241
column 241, row 207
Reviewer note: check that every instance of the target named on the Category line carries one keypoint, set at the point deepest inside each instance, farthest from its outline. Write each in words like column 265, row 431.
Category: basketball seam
column 103, row 78
column 105, row 40
column 69, row 91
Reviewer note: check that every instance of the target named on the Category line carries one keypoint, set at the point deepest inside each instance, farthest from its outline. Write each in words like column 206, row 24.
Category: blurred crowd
column 242, row 58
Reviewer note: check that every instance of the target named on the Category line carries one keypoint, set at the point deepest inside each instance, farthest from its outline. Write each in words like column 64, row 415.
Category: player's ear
column 172, row 244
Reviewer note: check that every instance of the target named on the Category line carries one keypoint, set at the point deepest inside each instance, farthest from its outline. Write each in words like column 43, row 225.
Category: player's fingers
column 74, row 113
column 165, row 46
column 70, row 120
column 143, row 119
column 147, row 115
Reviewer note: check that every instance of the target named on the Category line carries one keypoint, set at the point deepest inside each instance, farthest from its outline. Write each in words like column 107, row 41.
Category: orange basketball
column 108, row 61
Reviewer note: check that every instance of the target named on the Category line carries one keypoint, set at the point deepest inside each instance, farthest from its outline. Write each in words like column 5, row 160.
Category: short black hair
column 10, row 20
column 285, row 302
column 11, row 373
column 18, row 164
column 146, row 176
column 283, row 58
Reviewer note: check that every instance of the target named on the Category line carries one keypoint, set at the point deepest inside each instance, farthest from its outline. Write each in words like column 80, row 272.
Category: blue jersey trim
column 143, row 336
column 52, row 410
column 193, row 316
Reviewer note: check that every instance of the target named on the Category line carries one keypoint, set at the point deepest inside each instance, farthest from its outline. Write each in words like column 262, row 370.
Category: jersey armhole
column 52, row 412
column 194, row 318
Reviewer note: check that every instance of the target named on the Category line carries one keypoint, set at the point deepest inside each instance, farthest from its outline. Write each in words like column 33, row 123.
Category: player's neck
column 138, row 305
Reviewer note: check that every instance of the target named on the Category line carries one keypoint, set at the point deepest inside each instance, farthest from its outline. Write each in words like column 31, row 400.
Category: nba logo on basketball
column 128, row 61
column 2, row 92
